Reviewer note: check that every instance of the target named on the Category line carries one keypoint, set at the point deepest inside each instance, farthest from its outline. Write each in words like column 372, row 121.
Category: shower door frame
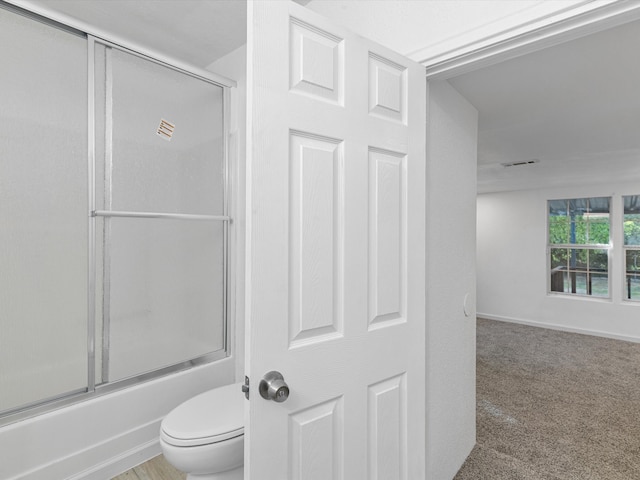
column 94, row 388
column 207, row 77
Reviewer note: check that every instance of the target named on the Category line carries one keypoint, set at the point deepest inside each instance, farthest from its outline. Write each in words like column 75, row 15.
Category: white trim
column 140, row 452
column 91, row 223
column 121, row 463
column 108, row 38
column 563, row 328
column 143, row 442
column 569, row 24
column 171, row 63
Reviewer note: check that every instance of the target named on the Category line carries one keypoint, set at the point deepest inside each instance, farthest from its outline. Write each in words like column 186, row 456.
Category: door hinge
column 245, row 387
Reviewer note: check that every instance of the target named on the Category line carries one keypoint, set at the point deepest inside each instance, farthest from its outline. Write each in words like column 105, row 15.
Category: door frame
column 585, row 18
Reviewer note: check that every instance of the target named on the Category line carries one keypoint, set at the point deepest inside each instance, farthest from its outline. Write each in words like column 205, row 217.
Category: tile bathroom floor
column 155, row 469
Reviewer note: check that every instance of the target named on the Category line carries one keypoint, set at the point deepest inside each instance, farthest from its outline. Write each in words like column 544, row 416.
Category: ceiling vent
column 521, row 164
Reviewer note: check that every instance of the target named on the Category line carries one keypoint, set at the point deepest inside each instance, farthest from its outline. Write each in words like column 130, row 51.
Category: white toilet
column 204, row 436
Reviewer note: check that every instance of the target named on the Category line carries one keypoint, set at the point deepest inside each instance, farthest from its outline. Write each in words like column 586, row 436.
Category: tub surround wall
column 104, row 436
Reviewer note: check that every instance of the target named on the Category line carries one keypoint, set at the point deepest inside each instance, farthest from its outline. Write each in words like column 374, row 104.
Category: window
column 632, row 246
column 579, row 246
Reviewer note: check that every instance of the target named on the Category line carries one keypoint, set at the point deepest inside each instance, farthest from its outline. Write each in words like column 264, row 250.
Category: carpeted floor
column 554, row 406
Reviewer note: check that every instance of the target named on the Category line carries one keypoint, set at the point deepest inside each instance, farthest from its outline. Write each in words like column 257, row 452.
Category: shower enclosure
column 113, row 217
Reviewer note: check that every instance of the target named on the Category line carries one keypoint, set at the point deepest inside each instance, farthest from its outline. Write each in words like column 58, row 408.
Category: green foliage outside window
column 632, row 245
column 632, row 229
column 588, row 231
column 580, row 258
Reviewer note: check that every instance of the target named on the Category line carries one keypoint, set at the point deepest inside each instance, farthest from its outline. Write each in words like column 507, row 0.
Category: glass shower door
column 43, row 212
column 161, row 203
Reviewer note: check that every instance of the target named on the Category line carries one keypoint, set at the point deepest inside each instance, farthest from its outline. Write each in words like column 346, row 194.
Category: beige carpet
column 554, row 406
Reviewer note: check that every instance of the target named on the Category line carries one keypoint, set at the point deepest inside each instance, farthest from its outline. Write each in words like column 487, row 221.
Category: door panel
column 386, row 227
column 316, row 254
column 315, row 448
column 387, row 429
column 336, row 242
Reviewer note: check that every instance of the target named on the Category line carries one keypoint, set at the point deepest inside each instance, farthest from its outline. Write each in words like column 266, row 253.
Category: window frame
column 578, row 246
column 626, row 248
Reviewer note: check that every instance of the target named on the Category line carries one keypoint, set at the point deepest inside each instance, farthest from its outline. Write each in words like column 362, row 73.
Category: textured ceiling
column 580, row 98
column 574, row 106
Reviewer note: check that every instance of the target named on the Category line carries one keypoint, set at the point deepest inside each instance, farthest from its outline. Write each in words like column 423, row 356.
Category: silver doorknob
column 273, row 387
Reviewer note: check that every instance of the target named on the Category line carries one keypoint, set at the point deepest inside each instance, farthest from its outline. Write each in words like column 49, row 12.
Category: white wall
column 512, row 264
column 451, row 220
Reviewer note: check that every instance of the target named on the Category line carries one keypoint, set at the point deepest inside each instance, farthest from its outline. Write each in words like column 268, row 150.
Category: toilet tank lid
column 214, row 415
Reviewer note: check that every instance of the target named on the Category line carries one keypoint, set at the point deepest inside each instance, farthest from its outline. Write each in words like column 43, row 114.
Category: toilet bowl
column 204, row 436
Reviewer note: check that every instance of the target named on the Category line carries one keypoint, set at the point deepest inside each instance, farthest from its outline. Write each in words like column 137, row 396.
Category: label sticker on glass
column 165, row 130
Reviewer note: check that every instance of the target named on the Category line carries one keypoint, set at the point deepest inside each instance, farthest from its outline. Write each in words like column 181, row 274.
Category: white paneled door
column 336, row 245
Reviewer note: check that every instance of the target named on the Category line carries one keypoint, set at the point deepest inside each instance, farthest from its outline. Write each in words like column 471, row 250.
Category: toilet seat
column 211, row 417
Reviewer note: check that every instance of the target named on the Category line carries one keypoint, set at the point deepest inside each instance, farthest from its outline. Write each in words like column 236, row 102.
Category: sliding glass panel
column 167, row 150
column 43, row 212
column 161, row 150
column 166, row 293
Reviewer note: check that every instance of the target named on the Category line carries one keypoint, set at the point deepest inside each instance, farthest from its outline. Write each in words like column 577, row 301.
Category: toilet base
column 235, row 474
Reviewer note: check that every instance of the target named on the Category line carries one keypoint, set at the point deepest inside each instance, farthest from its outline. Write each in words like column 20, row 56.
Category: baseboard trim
column 556, row 326
column 121, row 463
column 122, row 452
